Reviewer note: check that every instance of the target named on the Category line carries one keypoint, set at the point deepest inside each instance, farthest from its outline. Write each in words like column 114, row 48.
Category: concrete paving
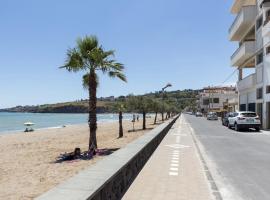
column 238, row 161
column 174, row 171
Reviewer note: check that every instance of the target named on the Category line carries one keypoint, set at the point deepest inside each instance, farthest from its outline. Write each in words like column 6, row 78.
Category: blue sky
column 182, row 42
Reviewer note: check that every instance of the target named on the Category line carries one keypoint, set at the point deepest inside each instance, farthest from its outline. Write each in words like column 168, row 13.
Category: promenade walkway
column 174, row 171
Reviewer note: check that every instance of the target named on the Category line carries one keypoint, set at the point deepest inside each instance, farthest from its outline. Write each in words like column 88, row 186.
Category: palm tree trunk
column 92, row 121
column 121, row 134
column 144, row 120
column 155, row 118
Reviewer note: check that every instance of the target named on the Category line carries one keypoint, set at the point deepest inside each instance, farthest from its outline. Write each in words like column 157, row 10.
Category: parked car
column 225, row 120
column 199, row 114
column 244, row 120
column 212, row 116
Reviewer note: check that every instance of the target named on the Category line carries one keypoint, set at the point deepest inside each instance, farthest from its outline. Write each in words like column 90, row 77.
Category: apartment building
column 251, row 29
column 217, row 99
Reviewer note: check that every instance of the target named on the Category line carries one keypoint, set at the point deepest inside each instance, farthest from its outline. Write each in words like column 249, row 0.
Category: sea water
column 10, row 122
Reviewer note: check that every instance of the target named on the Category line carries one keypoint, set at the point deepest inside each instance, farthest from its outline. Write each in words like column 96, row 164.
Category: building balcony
column 243, row 53
column 242, row 23
column 238, row 4
column 266, row 28
column 247, row 83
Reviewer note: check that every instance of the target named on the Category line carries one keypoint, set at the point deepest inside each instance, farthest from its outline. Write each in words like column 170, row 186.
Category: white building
column 217, row 99
column 251, row 29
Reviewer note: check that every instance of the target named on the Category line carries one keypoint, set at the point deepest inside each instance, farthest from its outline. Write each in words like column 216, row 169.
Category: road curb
column 212, row 184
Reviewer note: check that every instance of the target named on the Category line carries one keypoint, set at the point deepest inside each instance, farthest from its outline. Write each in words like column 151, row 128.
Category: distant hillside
column 182, row 98
column 68, row 107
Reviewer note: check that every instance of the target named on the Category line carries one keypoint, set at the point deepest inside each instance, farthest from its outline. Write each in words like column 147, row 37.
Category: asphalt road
column 241, row 158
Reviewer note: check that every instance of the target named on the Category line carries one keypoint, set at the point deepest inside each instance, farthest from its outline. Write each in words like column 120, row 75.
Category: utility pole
column 209, row 105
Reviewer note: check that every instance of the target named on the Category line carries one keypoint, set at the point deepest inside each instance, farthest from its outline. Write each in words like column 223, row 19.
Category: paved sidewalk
column 174, row 171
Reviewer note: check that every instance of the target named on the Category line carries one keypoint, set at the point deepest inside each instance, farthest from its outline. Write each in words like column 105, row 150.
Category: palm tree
column 142, row 105
column 89, row 56
column 120, row 107
column 166, row 108
column 156, row 107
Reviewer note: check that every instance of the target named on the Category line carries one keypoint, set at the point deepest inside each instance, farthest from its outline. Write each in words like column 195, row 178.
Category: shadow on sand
column 86, row 155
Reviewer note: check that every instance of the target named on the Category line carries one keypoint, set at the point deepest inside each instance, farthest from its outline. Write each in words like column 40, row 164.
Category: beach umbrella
column 29, row 123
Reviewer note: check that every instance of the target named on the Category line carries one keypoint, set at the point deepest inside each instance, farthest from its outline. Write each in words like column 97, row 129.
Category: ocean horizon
column 14, row 122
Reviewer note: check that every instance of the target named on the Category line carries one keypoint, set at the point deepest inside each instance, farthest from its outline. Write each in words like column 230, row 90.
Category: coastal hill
column 67, row 107
column 183, row 99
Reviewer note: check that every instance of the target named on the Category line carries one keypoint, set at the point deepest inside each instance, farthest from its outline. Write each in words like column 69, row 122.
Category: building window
column 259, row 58
column 259, row 93
column 252, row 107
column 206, row 102
column 267, row 17
column 267, row 50
column 259, row 23
column 216, row 100
column 267, row 89
column 243, row 107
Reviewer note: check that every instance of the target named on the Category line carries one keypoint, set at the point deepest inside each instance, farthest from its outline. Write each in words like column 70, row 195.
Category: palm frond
column 88, row 56
column 107, row 54
column 86, row 45
column 118, row 66
column 116, row 74
column 74, row 61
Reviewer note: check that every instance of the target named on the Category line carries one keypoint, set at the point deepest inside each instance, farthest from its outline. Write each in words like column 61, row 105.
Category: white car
column 199, row 114
column 244, row 120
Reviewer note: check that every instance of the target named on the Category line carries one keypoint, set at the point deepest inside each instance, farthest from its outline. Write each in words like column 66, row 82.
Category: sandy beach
column 27, row 169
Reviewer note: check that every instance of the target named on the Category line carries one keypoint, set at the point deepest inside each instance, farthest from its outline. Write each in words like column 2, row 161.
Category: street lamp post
column 163, row 92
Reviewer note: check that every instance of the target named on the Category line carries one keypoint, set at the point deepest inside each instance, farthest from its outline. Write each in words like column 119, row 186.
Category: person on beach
column 138, row 117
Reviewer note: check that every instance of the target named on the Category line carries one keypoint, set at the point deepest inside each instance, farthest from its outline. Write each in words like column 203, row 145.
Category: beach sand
column 26, row 159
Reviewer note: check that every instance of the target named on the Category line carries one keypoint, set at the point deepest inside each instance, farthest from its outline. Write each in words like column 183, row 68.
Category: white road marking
column 177, row 146
column 174, row 165
column 177, row 139
column 179, row 134
column 173, row 173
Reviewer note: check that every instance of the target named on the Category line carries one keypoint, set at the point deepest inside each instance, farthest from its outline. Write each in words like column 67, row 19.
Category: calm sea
column 14, row 121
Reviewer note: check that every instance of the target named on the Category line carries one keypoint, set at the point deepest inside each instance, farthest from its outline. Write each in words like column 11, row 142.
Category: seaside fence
column 111, row 177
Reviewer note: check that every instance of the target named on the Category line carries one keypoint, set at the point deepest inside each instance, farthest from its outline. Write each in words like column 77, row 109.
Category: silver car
column 212, row 116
